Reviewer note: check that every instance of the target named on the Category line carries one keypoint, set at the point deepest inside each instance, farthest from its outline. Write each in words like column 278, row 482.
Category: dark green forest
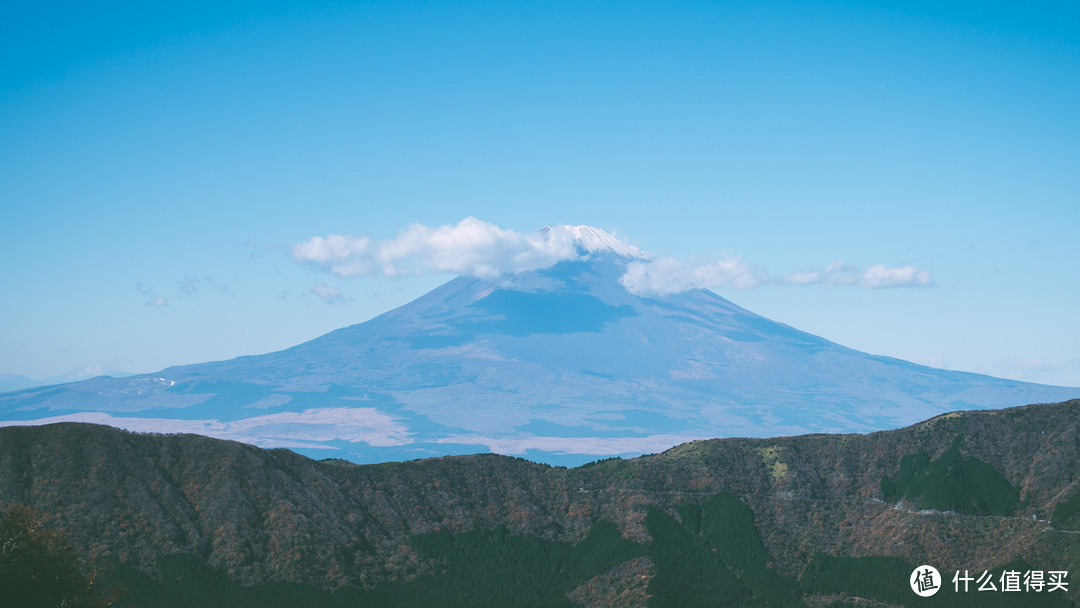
column 39, row 568
column 952, row 482
column 713, row 557
column 182, row 520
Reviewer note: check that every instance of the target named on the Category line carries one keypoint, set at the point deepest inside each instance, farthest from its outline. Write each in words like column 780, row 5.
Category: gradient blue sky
column 174, row 154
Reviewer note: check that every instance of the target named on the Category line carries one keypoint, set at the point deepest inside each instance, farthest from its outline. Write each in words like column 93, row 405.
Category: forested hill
column 972, row 490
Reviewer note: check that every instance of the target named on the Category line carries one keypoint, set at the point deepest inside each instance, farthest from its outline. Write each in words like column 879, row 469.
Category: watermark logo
column 1030, row 581
column 925, row 581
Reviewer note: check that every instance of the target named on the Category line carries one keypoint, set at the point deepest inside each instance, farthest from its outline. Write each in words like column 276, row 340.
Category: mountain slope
column 561, row 364
column 775, row 506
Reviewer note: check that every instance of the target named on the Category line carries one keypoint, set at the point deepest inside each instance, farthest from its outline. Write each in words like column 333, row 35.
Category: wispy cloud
column 477, row 248
column 153, row 299
column 188, row 287
column 877, row 276
column 328, row 294
column 192, row 285
column 665, row 275
column 470, row 247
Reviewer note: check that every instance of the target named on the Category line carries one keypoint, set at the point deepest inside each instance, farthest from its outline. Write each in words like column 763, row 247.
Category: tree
column 40, row 569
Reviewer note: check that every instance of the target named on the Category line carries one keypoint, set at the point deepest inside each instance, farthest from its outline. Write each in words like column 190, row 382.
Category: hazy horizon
column 901, row 181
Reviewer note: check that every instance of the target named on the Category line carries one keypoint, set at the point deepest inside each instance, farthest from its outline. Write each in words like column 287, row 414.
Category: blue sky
column 176, row 155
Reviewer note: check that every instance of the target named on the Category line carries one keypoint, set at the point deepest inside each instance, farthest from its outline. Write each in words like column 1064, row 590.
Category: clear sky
column 158, row 165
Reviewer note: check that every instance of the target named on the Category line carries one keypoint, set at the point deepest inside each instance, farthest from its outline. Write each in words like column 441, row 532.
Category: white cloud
column 665, row 275
column 344, row 256
column 283, row 429
column 157, row 301
column 477, row 248
column 328, row 294
column 803, row 278
column 899, row 276
column 877, row 276
column 470, row 247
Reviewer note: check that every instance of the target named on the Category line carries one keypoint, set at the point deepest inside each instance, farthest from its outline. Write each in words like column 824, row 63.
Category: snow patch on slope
column 592, row 240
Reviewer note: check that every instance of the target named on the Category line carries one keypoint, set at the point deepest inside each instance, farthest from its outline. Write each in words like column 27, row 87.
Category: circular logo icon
column 925, row 581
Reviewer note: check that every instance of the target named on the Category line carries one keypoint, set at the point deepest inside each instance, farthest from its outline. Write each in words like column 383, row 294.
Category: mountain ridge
column 561, row 364
column 262, row 516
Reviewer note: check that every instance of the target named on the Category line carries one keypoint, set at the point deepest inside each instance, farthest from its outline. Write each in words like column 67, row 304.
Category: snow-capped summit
column 561, row 364
column 590, row 239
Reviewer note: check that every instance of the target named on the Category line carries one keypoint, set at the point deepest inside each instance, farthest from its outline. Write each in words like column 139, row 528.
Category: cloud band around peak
column 470, row 247
column 477, row 248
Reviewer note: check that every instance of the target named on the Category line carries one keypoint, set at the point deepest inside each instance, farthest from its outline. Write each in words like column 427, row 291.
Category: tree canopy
column 39, row 568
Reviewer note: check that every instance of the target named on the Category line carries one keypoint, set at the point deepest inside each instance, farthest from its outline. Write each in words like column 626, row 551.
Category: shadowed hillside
column 258, row 517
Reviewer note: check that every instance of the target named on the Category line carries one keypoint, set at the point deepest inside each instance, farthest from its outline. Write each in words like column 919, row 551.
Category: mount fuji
column 561, row 364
